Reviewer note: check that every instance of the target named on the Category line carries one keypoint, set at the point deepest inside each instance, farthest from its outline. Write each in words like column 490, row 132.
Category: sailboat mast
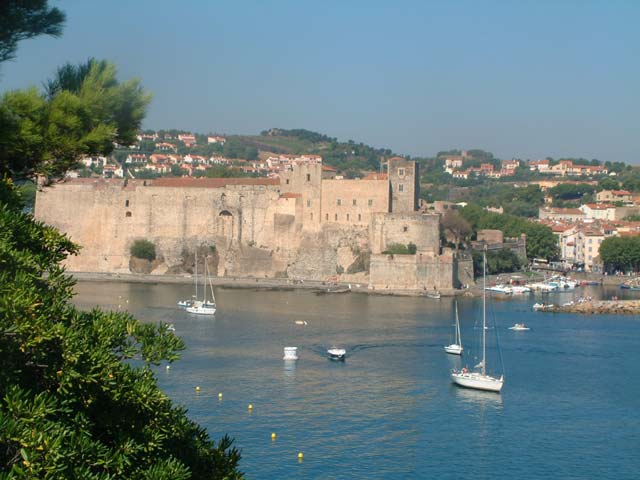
column 204, row 281
column 459, row 339
column 196, row 281
column 484, row 311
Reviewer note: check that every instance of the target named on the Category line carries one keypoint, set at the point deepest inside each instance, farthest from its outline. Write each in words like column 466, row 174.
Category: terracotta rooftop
column 376, row 176
column 211, row 182
column 327, row 168
column 290, row 195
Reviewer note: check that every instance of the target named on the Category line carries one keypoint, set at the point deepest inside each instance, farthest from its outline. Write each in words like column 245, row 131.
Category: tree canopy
column 621, row 253
column 24, row 19
column 83, row 112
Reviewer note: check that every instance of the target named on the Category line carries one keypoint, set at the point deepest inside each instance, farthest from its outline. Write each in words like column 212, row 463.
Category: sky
column 523, row 79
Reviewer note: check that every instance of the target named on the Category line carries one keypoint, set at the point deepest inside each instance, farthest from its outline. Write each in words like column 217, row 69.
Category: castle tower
column 404, row 180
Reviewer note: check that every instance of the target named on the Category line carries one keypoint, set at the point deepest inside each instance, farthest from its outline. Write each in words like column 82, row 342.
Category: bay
column 569, row 408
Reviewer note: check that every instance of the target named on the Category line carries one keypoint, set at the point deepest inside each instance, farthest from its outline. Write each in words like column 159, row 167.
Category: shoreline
column 284, row 284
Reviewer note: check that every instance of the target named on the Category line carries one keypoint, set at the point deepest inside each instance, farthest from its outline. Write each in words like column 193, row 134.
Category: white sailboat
column 475, row 379
column 456, row 347
column 204, row 306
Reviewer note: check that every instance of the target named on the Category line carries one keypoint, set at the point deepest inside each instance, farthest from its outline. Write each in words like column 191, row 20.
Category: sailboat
column 456, row 347
column 204, row 306
column 188, row 303
column 479, row 379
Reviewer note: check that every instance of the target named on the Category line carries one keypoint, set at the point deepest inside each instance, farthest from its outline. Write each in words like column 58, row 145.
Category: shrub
column 144, row 249
column 400, row 249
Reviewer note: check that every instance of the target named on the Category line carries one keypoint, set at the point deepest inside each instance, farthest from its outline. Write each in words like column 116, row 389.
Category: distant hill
column 349, row 158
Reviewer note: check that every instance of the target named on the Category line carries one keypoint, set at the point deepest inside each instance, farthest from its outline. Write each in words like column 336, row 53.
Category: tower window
column 405, row 229
column 308, row 177
column 308, row 203
column 347, row 217
column 336, row 217
column 355, row 202
column 339, row 202
column 311, row 215
column 401, row 172
column 326, row 217
column 359, row 217
column 370, row 203
column 128, row 214
column 287, row 181
column 400, row 187
column 126, row 203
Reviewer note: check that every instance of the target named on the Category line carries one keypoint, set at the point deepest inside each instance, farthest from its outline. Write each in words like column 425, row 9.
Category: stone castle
column 308, row 224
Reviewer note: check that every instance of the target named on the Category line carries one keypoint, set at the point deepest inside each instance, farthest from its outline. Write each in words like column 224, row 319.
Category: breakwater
column 599, row 307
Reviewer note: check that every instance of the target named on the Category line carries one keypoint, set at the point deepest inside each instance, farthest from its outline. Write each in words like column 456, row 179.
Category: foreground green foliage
column 84, row 110
column 541, row 242
column 78, row 395
column 620, row 254
column 144, row 249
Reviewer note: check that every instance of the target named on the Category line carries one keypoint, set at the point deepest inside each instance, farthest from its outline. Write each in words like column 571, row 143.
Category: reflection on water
column 390, row 410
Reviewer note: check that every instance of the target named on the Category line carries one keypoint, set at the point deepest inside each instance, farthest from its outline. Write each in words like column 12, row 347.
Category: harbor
column 390, row 409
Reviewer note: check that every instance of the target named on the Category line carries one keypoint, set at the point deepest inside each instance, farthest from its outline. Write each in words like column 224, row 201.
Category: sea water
column 569, row 407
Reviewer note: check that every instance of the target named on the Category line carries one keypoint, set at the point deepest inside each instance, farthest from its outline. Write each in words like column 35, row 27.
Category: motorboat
column 435, row 295
column 519, row 289
column 519, row 327
column 290, row 353
column 542, row 306
column 336, row 353
column 500, row 289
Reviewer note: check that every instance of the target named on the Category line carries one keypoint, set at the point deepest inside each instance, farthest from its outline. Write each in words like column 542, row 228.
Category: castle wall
column 423, row 230
column 412, row 272
column 353, row 202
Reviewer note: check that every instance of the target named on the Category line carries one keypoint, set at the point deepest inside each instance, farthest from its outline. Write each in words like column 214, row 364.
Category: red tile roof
column 376, row 176
column 290, row 195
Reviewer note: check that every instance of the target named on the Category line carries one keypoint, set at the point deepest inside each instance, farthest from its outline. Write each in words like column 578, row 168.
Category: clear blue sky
column 518, row 78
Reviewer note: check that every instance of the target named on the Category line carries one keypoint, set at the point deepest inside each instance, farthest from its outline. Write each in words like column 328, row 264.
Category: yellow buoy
column 250, row 407
column 197, row 389
column 220, row 395
column 300, row 456
column 273, row 436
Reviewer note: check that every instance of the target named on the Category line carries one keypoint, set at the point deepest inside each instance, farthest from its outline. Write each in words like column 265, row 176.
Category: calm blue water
column 569, row 408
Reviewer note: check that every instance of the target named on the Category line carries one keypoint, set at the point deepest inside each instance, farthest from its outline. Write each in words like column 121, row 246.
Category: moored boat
column 336, row 353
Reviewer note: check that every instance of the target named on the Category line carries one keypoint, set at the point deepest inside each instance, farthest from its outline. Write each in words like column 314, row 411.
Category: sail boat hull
column 453, row 349
column 478, row 381
column 201, row 308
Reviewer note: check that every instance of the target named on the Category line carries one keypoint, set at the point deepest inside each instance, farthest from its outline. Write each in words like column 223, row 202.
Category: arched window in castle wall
column 224, row 224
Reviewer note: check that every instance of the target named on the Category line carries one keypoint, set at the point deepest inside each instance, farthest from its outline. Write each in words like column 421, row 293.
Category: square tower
column 404, row 180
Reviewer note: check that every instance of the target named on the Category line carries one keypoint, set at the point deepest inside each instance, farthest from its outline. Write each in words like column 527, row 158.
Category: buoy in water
column 250, row 407
column 300, row 456
column 168, row 367
column 273, row 436
column 197, row 389
column 220, row 395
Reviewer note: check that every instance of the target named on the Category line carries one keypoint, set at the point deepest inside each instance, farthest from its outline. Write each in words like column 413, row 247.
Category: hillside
column 349, row 158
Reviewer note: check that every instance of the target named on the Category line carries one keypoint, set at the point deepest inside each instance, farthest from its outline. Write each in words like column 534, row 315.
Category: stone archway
column 224, row 224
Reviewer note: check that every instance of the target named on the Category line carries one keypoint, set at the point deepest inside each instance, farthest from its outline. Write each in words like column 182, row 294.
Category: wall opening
column 224, row 224
column 126, row 203
column 128, row 214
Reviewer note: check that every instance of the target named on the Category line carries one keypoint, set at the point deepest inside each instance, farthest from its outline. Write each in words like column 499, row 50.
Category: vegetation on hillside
column 541, row 242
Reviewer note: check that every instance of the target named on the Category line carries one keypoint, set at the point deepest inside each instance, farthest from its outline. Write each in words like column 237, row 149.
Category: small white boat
column 500, row 289
column 184, row 303
column 435, row 295
column 336, row 353
column 202, row 308
column 519, row 289
column 519, row 327
column 290, row 353
column 301, row 322
column 456, row 347
column 478, row 381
